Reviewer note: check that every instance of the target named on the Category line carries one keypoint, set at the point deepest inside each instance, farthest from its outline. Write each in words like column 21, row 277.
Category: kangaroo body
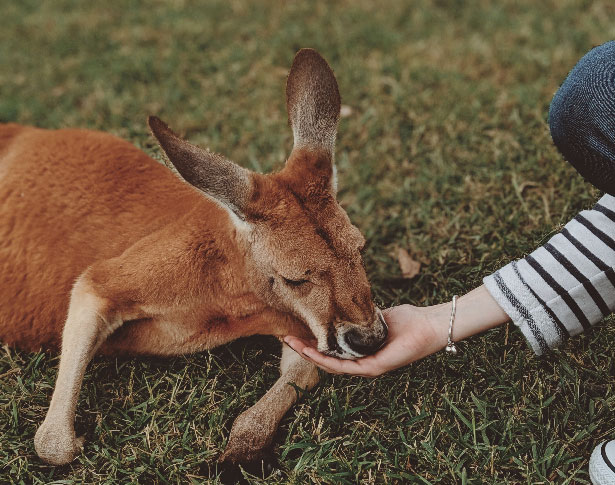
column 102, row 203
column 104, row 250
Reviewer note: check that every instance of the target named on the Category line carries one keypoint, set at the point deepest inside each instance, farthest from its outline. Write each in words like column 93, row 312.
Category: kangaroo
column 103, row 250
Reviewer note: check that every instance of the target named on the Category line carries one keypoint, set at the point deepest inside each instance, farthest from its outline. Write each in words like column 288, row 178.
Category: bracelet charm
column 450, row 346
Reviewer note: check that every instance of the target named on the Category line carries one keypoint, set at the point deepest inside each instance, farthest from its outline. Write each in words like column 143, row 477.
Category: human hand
column 414, row 332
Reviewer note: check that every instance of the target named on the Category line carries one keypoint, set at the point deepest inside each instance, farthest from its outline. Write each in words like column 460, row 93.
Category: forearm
column 476, row 312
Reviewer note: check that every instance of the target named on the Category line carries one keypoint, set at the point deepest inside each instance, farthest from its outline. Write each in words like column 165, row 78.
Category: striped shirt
column 565, row 286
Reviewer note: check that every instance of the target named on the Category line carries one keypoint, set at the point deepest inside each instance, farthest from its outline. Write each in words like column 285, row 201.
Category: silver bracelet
column 450, row 346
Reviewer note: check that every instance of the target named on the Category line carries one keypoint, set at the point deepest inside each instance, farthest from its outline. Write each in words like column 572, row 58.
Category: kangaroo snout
column 359, row 341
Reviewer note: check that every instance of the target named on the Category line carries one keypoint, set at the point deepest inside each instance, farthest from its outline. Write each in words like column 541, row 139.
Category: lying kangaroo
column 105, row 251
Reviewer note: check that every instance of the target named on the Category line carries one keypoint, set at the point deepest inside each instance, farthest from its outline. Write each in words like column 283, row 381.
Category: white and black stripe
column 565, row 286
column 562, row 330
column 523, row 311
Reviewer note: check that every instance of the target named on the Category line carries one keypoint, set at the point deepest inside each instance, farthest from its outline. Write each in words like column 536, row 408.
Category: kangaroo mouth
column 351, row 341
column 333, row 347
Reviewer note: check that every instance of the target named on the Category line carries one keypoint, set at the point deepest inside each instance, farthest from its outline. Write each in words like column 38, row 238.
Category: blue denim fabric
column 582, row 117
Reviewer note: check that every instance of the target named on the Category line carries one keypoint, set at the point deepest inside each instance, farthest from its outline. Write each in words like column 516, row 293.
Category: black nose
column 365, row 345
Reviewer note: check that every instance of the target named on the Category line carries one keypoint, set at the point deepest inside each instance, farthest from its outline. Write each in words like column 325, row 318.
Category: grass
column 446, row 153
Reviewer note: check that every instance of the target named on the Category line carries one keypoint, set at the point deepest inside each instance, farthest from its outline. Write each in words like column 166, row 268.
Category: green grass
column 447, row 131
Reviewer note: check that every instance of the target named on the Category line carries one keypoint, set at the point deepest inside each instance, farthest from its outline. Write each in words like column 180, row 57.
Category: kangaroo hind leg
column 90, row 321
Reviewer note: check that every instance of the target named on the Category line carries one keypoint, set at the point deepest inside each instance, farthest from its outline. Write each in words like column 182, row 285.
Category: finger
column 325, row 368
column 296, row 343
column 299, row 346
column 339, row 370
column 338, row 365
column 299, row 340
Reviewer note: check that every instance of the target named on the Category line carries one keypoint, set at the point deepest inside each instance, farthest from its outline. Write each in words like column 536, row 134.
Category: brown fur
column 103, row 250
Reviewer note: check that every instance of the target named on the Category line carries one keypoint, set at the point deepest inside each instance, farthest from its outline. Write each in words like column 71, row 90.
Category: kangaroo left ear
column 313, row 104
column 207, row 171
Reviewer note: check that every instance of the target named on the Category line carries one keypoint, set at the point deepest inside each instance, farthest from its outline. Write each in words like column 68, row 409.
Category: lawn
column 445, row 152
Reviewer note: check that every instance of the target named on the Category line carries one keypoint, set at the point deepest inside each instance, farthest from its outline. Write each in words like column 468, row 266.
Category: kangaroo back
column 67, row 199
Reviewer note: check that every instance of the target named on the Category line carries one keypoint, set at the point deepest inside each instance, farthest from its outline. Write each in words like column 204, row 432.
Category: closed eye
column 295, row 283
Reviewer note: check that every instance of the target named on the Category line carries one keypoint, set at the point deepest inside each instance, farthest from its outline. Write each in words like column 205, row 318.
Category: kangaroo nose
column 367, row 344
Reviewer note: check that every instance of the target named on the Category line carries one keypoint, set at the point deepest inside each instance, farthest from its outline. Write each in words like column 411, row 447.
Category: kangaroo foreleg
column 254, row 429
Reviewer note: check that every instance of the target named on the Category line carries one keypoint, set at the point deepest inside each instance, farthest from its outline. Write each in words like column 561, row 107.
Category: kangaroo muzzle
column 356, row 341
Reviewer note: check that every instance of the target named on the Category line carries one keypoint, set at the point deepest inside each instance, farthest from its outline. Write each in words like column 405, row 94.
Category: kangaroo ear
column 211, row 173
column 313, row 102
column 313, row 105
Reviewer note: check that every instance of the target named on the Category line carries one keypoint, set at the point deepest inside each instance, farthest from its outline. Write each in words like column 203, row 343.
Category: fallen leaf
column 409, row 267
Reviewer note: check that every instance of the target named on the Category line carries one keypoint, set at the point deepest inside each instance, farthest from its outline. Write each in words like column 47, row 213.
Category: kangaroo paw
column 250, row 438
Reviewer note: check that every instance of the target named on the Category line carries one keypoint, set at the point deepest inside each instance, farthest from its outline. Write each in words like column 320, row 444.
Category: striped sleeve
column 565, row 286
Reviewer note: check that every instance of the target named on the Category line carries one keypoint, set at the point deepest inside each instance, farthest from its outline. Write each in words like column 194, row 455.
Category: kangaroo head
column 303, row 254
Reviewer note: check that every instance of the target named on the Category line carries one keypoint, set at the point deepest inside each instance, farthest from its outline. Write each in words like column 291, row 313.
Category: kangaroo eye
column 295, row 283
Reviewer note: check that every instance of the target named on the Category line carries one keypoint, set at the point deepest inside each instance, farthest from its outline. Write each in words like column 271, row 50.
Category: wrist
column 438, row 317
column 476, row 312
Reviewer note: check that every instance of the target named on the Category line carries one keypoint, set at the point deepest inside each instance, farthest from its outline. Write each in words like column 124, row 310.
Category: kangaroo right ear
column 313, row 102
column 211, row 173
